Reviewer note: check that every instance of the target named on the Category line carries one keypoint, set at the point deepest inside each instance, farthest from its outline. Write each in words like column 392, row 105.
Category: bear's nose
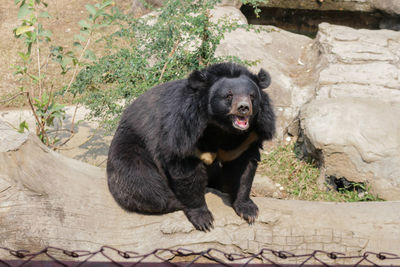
column 243, row 108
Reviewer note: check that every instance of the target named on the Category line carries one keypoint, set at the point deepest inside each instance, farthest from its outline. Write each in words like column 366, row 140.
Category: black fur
column 152, row 167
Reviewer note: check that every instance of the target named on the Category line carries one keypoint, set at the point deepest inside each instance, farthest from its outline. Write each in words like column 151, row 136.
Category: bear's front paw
column 246, row 210
column 201, row 218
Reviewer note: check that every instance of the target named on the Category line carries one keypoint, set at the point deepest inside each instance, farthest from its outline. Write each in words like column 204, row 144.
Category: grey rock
column 227, row 13
column 358, row 63
column 90, row 143
column 263, row 186
column 388, row 6
column 356, row 138
column 353, row 125
column 10, row 139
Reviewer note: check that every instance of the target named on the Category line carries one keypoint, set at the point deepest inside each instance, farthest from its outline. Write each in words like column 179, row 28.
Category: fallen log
column 47, row 199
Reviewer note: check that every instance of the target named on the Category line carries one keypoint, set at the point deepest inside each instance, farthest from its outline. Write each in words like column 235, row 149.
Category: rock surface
column 263, row 186
column 228, row 13
column 47, row 199
column 389, row 6
column 353, row 126
column 358, row 139
column 358, row 63
column 89, row 144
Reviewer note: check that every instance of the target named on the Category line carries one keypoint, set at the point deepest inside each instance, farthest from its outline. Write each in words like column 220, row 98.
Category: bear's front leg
column 188, row 179
column 238, row 176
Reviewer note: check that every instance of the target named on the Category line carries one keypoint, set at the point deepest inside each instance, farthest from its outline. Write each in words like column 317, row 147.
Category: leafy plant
column 38, row 91
column 356, row 192
column 48, row 111
column 164, row 45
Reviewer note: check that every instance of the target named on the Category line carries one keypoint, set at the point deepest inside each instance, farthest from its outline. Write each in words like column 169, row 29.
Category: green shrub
column 167, row 46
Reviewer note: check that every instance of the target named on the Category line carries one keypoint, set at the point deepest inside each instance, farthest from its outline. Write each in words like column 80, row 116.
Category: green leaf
column 90, row 55
column 34, row 77
column 78, row 45
column 44, row 14
column 57, row 108
column 106, row 4
column 23, row 29
column 79, row 38
column 45, row 98
column 17, row 1
column 92, row 10
column 84, row 31
column 23, row 56
column 22, row 126
column 24, row 10
column 84, row 24
column 45, row 33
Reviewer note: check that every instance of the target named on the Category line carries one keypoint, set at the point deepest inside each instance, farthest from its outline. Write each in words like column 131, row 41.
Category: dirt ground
column 64, row 25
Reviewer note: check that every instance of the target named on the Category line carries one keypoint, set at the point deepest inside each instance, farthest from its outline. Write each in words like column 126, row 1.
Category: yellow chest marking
column 226, row 155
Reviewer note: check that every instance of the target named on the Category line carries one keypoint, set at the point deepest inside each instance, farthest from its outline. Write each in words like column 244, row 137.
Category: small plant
column 35, row 86
column 48, row 111
column 353, row 191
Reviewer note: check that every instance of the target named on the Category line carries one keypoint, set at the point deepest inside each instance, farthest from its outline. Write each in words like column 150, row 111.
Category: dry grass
column 299, row 178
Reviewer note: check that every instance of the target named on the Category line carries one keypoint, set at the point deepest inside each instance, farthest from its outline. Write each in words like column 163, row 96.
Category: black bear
column 182, row 136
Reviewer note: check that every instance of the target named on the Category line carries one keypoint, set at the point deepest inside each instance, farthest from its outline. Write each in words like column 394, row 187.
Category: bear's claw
column 201, row 218
column 247, row 210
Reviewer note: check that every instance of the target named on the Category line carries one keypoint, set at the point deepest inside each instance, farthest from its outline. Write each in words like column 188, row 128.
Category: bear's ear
column 198, row 80
column 264, row 79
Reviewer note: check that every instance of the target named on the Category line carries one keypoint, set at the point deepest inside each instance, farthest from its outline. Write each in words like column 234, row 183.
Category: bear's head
column 234, row 95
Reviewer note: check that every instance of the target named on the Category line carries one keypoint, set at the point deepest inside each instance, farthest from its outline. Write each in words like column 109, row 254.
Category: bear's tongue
column 241, row 122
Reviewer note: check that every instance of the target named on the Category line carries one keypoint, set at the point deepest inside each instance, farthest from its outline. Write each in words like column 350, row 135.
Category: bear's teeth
column 241, row 122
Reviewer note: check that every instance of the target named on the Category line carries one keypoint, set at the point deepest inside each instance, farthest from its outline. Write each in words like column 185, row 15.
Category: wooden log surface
column 47, row 199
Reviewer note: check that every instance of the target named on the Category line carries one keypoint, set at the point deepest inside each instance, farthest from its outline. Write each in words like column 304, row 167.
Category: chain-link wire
column 186, row 257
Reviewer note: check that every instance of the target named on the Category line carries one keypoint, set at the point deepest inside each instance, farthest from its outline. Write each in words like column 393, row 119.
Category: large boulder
column 359, row 63
column 388, row 6
column 353, row 126
column 47, row 199
column 358, row 139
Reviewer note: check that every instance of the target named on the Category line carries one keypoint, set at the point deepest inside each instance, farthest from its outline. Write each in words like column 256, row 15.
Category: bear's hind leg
column 137, row 185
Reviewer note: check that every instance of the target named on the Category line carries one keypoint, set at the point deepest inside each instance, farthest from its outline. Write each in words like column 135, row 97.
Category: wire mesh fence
column 110, row 256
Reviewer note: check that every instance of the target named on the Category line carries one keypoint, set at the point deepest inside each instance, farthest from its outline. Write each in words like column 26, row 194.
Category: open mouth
column 241, row 122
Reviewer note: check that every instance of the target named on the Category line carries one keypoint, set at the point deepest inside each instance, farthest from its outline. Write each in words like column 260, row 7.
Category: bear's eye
column 252, row 97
